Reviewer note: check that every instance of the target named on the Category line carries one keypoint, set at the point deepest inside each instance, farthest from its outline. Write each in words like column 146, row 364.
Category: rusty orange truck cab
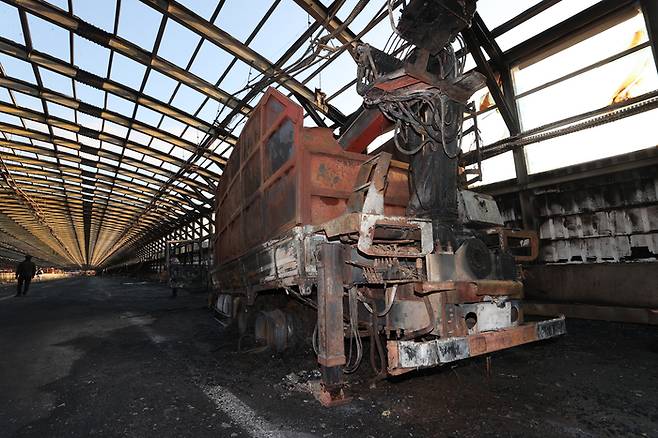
column 298, row 214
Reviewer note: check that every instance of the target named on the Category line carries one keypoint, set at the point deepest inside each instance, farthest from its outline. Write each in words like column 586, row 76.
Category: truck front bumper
column 405, row 356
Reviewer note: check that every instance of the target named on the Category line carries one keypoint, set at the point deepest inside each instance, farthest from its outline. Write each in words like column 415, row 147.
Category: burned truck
column 397, row 251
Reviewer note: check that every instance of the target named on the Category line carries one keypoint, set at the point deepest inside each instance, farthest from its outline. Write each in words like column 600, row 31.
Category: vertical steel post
column 331, row 345
column 650, row 12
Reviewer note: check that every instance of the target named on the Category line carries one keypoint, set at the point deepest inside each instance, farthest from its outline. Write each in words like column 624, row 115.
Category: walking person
column 25, row 272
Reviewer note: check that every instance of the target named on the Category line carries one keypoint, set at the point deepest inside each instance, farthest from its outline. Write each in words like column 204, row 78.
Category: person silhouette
column 25, row 272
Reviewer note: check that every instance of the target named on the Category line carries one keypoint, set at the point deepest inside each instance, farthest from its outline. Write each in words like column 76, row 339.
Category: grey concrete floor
column 117, row 357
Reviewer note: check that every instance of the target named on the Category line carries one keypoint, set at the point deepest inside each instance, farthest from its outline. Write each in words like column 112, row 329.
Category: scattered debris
column 306, row 381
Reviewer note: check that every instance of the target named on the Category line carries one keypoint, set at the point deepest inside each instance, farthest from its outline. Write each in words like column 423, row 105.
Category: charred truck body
column 377, row 247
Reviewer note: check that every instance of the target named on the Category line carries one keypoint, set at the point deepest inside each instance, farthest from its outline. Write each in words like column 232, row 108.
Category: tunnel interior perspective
column 328, row 218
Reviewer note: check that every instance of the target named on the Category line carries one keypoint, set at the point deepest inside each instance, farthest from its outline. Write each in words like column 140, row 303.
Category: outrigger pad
column 332, row 396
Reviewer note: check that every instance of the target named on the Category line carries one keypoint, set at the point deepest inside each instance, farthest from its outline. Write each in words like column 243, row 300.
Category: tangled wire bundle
column 428, row 115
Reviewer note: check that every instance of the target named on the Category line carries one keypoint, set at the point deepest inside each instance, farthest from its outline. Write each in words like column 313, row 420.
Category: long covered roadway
column 328, row 218
column 95, row 356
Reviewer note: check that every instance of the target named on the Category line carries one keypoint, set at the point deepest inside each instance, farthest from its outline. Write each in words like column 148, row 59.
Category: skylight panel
column 55, row 81
column 152, row 160
column 64, row 133
column 239, row 20
column 132, row 154
column 172, row 126
column 115, row 129
column 21, row 153
column 120, row 105
column 365, row 15
column 88, row 141
column 63, row 112
column 62, row 4
column 90, row 56
column 19, row 138
column 144, row 172
column 171, row 167
column 236, row 125
column 49, row 38
column 27, row 101
column 47, row 158
column 90, row 95
column 4, row 94
column 9, row 20
column 237, row 77
column 148, row 116
column 288, row 22
column 548, row 18
column 8, row 118
column 127, row 72
column 160, row 86
column 139, row 23
column 88, row 156
column 161, row 145
column 109, row 161
column 332, row 78
column 89, row 121
column 128, row 167
column 210, row 110
column 217, row 144
column 203, row 162
column 36, row 126
column 187, row 99
column 139, row 137
column 210, row 71
column 43, row 144
column 204, row 8
column 378, row 35
column 111, row 147
column 348, row 101
column 99, row 13
column 17, row 68
column 68, row 163
column 193, row 135
column 177, row 44
column 140, row 181
column 123, row 177
column 88, row 168
column 493, row 15
column 67, row 150
column 181, row 153
column 213, row 167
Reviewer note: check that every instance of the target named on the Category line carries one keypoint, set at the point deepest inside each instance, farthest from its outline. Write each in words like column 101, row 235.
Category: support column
column 650, row 11
column 525, row 197
column 331, row 344
column 520, row 163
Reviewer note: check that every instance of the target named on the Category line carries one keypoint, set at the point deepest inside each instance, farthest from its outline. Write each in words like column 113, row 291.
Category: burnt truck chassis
column 439, row 305
column 397, row 252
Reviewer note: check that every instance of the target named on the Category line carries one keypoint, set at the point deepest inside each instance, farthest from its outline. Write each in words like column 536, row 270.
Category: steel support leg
column 331, row 345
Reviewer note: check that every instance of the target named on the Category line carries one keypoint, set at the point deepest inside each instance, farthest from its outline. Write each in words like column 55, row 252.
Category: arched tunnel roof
column 117, row 116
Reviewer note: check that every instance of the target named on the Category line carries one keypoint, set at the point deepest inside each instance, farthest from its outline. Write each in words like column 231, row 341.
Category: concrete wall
column 609, row 218
column 599, row 239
